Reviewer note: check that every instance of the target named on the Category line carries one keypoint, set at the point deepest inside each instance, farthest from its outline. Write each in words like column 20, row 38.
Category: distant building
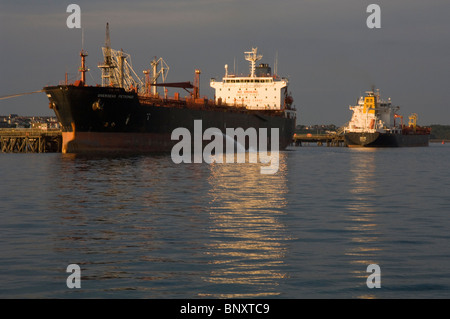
column 34, row 122
column 39, row 126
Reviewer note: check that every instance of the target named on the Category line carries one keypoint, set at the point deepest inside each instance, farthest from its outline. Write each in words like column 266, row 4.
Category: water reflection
column 248, row 242
column 109, row 213
column 362, row 210
column 147, row 225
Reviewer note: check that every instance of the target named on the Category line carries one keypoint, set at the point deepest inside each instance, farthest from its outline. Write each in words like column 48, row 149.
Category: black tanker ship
column 376, row 123
column 126, row 114
column 406, row 138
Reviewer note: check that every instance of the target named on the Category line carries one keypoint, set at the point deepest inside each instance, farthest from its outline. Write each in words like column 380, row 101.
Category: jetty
column 23, row 140
column 319, row 139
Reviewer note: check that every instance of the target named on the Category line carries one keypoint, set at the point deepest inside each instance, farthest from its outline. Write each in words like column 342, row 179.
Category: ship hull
column 353, row 139
column 107, row 119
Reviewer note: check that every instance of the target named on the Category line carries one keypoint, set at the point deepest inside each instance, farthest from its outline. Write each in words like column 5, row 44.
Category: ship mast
column 252, row 57
column 83, row 55
column 83, row 68
column 163, row 70
column 107, row 65
column 197, row 84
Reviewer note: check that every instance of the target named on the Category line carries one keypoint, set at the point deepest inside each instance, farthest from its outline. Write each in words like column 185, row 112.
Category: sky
column 324, row 47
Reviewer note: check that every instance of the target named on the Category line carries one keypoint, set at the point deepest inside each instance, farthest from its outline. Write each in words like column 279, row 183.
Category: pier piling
column 30, row 140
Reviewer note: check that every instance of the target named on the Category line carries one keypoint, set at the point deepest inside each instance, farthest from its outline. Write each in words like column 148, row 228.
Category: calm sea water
column 144, row 227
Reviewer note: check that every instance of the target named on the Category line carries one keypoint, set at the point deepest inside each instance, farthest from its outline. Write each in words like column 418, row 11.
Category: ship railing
column 253, row 108
column 204, row 102
column 359, row 130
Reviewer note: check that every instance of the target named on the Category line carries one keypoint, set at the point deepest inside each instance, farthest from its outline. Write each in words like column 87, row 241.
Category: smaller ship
column 375, row 123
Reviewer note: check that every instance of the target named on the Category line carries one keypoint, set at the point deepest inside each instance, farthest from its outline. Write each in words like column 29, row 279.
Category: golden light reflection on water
column 248, row 241
column 362, row 215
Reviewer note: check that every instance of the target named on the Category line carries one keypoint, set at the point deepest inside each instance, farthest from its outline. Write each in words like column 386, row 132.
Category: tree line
column 440, row 132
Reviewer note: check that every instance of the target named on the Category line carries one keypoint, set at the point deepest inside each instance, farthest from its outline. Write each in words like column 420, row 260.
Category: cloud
column 323, row 45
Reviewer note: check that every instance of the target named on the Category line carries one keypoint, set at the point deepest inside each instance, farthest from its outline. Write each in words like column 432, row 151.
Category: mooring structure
column 30, row 140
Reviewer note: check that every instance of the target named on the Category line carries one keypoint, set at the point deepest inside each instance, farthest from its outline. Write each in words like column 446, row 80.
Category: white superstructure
column 372, row 114
column 260, row 90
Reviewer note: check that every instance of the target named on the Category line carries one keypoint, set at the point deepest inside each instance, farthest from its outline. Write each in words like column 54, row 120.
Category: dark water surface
column 144, row 227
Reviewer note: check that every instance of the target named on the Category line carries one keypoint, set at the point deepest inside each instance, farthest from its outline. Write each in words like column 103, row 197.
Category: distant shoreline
column 435, row 140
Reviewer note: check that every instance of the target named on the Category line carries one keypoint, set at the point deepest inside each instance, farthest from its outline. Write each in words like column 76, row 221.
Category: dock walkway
column 22, row 140
column 320, row 139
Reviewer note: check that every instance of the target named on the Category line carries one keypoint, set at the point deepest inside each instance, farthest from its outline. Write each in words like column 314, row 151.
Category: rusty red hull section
column 88, row 142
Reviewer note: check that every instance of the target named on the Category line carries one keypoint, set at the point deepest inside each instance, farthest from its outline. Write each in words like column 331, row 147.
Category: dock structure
column 320, row 139
column 14, row 140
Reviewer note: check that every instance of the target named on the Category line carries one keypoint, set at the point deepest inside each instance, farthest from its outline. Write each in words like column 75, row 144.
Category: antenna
column 276, row 64
column 82, row 38
column 107, row 38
